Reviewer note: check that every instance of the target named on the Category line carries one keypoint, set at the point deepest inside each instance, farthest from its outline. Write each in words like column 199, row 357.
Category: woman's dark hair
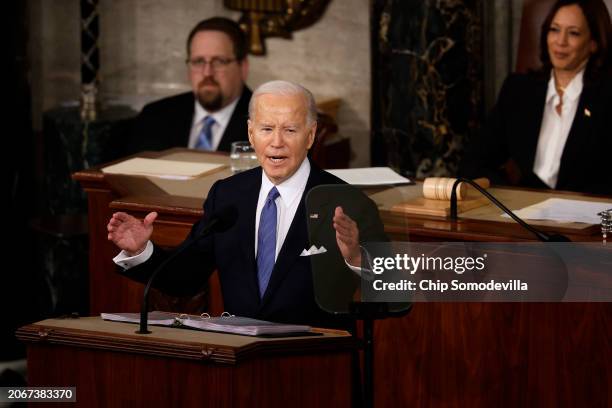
column 598, row 20
column 225, row 25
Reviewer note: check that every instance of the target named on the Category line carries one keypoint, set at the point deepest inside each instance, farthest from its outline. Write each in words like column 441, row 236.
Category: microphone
column 539, row 234
column 220, row 221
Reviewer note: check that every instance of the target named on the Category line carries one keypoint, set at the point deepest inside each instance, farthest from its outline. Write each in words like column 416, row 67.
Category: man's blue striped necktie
column 205, row 137
column 266, row 241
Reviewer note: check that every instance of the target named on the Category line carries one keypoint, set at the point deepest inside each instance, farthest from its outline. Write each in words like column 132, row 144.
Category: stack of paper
column 223, row 324
column 243, row 325
column 155, row 318
column 170, row 169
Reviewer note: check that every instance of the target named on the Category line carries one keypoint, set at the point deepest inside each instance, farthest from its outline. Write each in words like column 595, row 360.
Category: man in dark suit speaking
column 260, row 259
column 214, row 113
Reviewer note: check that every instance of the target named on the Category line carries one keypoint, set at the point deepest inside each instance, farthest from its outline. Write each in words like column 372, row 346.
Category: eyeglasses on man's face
column 216, row 63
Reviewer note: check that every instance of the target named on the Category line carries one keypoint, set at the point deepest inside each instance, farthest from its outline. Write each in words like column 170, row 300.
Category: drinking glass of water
column 242, row 157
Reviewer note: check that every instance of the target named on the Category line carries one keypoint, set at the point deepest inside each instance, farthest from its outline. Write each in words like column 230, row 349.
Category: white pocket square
column 313, row 250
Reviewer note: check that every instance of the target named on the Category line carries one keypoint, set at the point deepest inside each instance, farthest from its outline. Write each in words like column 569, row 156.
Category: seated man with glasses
column 214, row 114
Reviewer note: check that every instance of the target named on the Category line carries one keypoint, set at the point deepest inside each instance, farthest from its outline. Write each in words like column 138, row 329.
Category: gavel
column 440, row 188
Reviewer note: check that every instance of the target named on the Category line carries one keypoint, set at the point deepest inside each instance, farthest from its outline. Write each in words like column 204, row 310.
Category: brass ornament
column 275, row 18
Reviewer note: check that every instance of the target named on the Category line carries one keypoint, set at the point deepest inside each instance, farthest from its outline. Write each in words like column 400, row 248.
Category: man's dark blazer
column 167, row 123
column 505, row 151
column 289, row 296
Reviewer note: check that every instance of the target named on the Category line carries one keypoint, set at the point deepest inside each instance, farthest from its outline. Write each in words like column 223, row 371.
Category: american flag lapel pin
column 587, row 113
column 314, row 216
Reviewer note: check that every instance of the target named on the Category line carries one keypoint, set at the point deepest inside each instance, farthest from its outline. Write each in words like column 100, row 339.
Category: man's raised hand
column 129, row 233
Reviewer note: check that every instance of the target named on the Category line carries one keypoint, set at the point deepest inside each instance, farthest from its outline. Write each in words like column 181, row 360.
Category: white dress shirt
column 290, row 190
column 221, row 117
column 555, row 129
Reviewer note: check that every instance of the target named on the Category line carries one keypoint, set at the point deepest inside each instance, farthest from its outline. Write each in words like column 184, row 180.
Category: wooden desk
column 441, row 354
column 112, row 366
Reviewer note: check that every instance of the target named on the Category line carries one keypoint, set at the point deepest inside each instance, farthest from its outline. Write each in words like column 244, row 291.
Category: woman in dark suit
column 553, row 128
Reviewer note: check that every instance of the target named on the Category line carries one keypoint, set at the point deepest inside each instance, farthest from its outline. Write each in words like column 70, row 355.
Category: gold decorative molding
column 275, row 18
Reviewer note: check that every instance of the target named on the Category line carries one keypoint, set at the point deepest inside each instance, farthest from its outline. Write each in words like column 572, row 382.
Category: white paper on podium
column 370, row 176
column 564, row 210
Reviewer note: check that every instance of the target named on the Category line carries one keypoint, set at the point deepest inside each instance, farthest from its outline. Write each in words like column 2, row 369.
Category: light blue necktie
column 205, row 138
column 266, row 241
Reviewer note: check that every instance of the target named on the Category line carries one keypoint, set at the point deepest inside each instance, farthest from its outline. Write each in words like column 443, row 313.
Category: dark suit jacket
column 167, row 123
column 289, row 296
column 505, row 151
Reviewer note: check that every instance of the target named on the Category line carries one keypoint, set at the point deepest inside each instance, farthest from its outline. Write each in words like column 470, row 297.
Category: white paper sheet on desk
column 563, row 210
column 370, row 176
column 169, row 169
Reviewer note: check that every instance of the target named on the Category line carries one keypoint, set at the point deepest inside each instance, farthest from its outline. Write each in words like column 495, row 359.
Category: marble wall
column 142, row 52
column 427, row 83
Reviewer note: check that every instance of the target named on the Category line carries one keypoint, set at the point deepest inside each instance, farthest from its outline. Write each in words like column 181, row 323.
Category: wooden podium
column 110, row 366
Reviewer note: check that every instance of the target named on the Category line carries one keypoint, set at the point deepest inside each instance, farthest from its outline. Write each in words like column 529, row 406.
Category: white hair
column 285, row 88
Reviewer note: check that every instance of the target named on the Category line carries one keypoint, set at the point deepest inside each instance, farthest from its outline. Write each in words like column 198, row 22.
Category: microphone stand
column 144, row 308
column 539, row 234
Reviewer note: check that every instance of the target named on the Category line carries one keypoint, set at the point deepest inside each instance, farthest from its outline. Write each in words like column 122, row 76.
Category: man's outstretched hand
column 129, row 233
